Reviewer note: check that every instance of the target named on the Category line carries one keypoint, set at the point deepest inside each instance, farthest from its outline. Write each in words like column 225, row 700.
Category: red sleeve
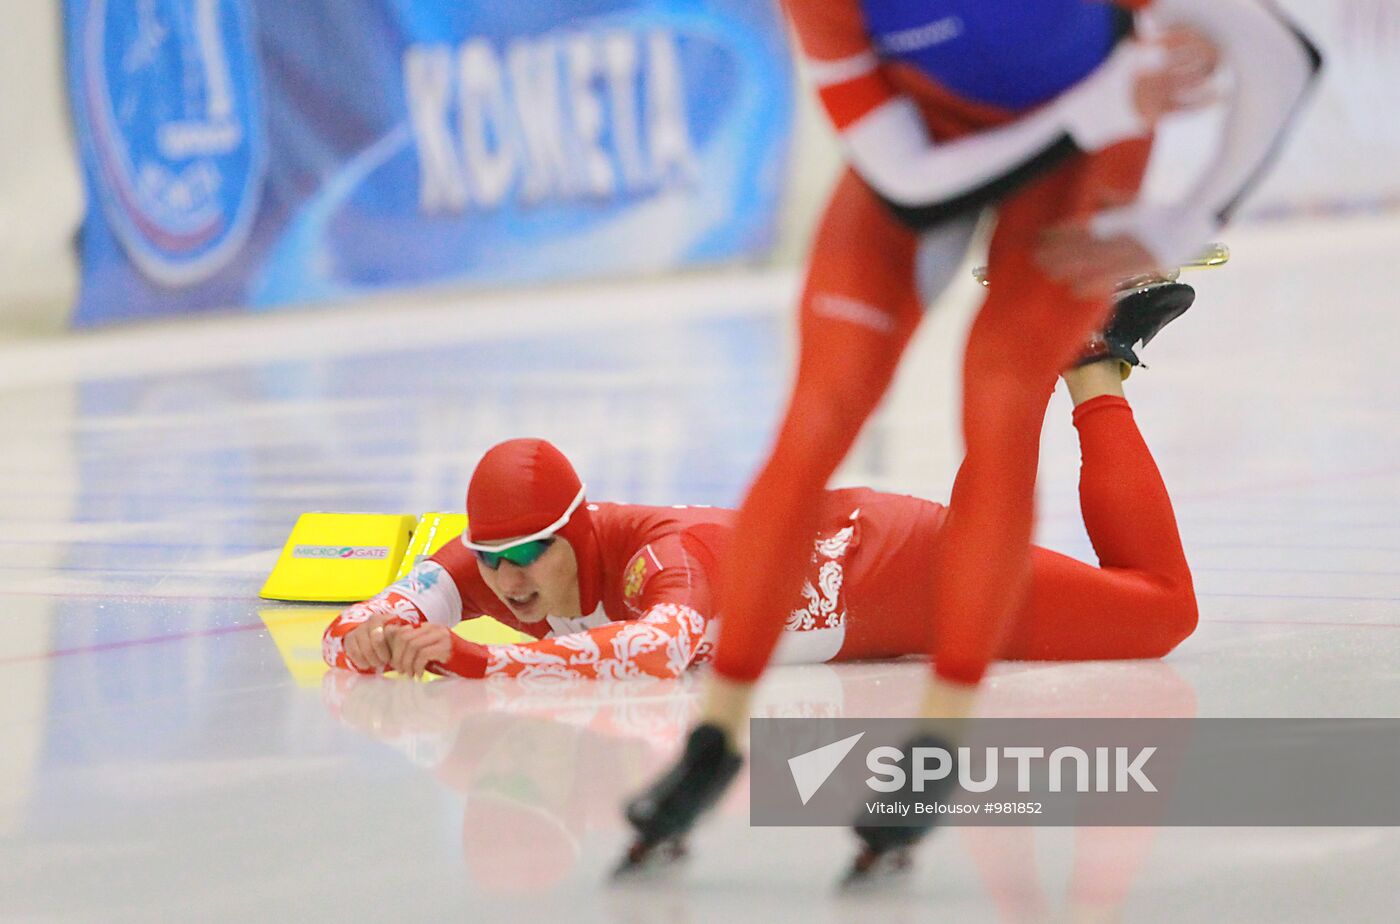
column 841, row 59
column 665, row 588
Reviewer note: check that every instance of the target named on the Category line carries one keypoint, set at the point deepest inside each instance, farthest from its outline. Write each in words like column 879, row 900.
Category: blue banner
column 260, row 152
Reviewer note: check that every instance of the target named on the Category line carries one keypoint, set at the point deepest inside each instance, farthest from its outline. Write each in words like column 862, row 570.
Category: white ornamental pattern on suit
column 824, row 609
column 662, row 643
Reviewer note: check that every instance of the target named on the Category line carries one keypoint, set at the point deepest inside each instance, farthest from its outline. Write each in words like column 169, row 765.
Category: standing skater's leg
column 1028, row 330
column 860, row 305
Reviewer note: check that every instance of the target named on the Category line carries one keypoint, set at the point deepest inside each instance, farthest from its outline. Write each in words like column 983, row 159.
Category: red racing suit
column 869, row 587
column 659, row 593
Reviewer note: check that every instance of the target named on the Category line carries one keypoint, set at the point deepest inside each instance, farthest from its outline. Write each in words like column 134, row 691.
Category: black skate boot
column 1139, row 314
column 664, row 814
column 885, row 848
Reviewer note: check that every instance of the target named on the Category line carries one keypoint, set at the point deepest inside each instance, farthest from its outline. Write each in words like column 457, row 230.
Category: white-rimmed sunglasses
column 526, row 550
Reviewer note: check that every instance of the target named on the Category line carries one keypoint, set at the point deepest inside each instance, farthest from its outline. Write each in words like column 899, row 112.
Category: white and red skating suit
column 869, row 587
column 656, row 579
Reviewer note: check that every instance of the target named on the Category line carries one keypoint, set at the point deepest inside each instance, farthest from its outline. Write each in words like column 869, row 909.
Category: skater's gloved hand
column 1141, row 82
column 1172, row 234
column 1185, row 81
column 366, row 646
column 412, row 649
column 1090, row 265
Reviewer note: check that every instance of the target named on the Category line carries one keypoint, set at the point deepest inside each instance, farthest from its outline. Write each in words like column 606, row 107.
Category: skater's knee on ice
column 1187, row 617
column 1175, row 621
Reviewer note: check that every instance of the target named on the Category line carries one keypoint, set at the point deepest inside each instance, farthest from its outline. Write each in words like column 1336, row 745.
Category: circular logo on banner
column 175, row 109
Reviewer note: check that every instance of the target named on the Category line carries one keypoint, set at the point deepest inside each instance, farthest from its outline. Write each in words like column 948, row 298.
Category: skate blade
column 871, row 867
column 646, row 859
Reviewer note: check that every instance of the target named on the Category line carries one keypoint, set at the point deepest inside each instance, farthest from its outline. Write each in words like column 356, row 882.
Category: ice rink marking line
column 246, row 627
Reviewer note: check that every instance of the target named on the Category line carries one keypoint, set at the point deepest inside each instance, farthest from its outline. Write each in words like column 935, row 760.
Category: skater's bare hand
column 413, row 648
column 1090, row 266
column 366, row 646
column 1184, row 81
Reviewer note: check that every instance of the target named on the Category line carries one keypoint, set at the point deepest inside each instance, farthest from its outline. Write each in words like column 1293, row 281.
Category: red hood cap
column 519, row 487
column 523, row 486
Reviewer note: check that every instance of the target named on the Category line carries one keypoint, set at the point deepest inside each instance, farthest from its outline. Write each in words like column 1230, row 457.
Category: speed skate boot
column 664, row 814
column 1140, row 311
column 885, row 848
